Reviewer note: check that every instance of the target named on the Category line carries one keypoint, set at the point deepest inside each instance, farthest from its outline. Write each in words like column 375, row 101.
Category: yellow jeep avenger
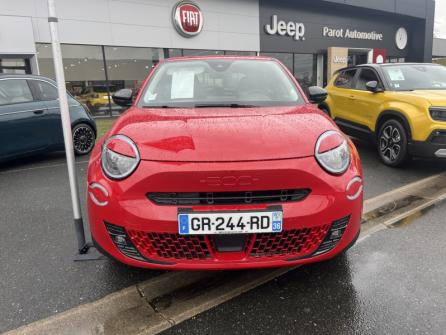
column 401, row 107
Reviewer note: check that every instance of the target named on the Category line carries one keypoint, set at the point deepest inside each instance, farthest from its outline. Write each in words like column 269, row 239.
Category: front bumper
column 433, row 147
column 152, row 230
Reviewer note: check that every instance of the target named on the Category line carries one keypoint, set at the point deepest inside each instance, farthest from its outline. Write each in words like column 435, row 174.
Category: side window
column 345, row 79
column 46, row 91
column 364, row 77
column 13, row 91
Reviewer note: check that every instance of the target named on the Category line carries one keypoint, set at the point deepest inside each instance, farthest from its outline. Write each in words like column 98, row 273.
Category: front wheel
column 393, row 143
column 83, row 139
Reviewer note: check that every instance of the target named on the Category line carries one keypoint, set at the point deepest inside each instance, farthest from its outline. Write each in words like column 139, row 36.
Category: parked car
column 223, row 163
column 30, row 120
column 400, row 107
column 96, row 97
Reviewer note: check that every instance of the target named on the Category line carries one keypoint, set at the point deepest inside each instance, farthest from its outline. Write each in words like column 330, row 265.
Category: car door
column 365, row 105
column 20, row 116
column 47, row 93
column 340, row 94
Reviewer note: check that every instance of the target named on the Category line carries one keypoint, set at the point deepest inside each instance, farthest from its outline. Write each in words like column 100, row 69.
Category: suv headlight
column 119, row 165
column 332, row 152
column 438, row 113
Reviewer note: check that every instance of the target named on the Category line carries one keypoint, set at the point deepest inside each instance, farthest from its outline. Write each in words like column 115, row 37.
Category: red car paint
column 224, row 150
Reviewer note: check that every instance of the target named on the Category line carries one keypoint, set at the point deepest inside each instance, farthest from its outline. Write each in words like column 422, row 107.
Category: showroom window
column 15, row 65
column 84, row 73
column 175, row 52
column 305, row 70
column 285, row 58
column 240, row 53
column 128, row 67
column 197, row 52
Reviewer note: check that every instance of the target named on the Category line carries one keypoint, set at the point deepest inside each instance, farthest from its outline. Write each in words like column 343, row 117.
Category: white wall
column 16, row 35
column 228, row 24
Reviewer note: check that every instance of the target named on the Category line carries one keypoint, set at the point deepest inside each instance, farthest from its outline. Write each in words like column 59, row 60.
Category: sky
column 440, row 19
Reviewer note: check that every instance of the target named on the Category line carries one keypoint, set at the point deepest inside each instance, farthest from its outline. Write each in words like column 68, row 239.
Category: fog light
column 334, row 236
column 120, row 239
column 98, row 194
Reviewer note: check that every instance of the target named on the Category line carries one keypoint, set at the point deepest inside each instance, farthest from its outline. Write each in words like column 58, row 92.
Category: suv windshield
column 415, row 77
column 220, row 83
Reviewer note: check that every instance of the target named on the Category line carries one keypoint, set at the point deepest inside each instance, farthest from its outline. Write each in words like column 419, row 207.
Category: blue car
column 30, row 120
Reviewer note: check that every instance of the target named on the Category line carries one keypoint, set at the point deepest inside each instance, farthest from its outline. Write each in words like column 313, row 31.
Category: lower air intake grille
column 289, row 242
column 334, row 236
column 175, row 246
column 228, row 198
column 122, row 241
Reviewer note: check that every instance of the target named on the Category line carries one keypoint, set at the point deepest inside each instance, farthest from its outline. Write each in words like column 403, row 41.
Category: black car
column 30, row 120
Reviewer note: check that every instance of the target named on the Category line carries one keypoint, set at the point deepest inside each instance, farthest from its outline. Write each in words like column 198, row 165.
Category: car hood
column 223, row 135
column 434, row 97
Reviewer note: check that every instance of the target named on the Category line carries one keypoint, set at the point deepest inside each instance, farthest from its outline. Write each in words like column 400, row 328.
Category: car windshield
column 220, row 83
column 415, row 77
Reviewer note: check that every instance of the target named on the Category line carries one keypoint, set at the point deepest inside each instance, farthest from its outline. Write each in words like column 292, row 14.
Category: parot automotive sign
column 187, row 18
column 351, row 34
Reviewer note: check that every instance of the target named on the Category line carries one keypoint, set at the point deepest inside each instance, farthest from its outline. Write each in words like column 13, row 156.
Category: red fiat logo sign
column 187, row 18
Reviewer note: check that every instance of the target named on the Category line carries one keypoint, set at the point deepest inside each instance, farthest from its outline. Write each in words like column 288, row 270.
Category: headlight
column 332, row 152
column 119, row 165
column 438, row 113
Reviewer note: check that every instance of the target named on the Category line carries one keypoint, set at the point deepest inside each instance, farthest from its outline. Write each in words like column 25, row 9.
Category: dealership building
column 111, row 44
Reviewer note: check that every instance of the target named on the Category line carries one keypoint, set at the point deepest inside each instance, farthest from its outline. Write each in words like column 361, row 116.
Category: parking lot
column 41, row 279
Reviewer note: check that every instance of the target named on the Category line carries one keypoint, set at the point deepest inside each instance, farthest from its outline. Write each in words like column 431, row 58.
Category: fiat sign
column 187, row 18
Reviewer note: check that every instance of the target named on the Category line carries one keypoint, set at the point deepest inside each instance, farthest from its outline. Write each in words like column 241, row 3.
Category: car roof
column 24, row 76
column 382, row 65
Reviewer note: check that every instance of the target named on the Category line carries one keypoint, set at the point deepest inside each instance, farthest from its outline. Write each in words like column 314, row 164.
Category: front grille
column 173, row 246
column 295, row 243
column 228, row 198
column 290, row 242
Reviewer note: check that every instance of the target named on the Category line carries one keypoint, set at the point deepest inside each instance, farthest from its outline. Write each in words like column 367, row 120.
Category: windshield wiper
column 231, row 105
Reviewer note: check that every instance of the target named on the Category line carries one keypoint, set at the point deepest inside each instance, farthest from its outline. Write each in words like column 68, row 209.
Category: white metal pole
column 66, row 125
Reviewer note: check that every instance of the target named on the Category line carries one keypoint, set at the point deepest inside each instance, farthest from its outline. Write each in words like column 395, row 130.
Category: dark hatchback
column 30, row 120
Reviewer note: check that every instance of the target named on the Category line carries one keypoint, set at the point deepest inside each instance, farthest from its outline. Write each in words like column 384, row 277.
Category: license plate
column 230, row 223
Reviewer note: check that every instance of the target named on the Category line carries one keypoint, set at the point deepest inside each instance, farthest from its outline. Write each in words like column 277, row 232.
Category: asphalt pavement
column 393, row 282
column 37, row 244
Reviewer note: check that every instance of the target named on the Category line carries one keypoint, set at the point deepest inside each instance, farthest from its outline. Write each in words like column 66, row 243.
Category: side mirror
column 316, row 94
column 373, row 86
column 123, row 97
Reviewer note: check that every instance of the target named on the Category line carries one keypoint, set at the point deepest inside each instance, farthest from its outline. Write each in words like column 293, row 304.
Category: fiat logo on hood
column 187, row 18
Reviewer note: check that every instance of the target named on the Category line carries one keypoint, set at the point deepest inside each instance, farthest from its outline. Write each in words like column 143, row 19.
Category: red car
column 223, row 163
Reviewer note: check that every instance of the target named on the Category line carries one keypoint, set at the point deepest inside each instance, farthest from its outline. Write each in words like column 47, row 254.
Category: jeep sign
column 292, row 29
column 187, row 18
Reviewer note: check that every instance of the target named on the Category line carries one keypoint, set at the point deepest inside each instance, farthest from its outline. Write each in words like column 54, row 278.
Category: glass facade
column 305, row 70
column 84, row 73
column 93, row 73
column 302, row 66
column 128, row 67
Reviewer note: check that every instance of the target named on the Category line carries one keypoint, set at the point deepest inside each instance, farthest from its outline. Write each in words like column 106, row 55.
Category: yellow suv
column 401, row 107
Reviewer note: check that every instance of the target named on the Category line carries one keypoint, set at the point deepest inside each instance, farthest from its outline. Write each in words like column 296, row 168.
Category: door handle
column 38, row 112
column 352, row 97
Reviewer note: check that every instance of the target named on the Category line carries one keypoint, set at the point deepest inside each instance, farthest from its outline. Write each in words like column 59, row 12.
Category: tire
column 84, row 139
column 393, row 143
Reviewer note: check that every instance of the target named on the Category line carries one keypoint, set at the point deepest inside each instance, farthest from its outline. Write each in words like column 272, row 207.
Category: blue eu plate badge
column 184, row 224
